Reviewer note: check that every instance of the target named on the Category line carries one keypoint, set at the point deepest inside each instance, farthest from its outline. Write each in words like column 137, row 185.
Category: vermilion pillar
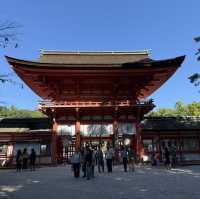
column 54, row 138
column 115, row 133
column 78, row 135
column 115, row 130
column 78, row 131
column 139, row 145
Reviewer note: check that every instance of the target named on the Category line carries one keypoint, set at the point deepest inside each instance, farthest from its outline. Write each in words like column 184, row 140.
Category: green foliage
column 162, row 112
column 195, row 78
column 197, row 39
column 194, row 108
column 180, row 109
column 8, row 34
column 14, row 112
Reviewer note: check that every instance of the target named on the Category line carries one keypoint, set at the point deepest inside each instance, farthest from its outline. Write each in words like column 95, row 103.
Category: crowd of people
column 24, row 160
column 89, row 157
column 166, row 155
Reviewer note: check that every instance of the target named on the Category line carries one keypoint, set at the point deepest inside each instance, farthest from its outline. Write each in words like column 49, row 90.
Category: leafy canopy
column 14, row 112
column 180, row 109
column 195, row 78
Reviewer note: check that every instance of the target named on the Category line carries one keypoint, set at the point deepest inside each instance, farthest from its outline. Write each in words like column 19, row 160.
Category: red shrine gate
column 108, row 123
column 95, row 88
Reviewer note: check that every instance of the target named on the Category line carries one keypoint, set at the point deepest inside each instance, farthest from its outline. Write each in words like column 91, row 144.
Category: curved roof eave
column 163, row 69
column 174, row 62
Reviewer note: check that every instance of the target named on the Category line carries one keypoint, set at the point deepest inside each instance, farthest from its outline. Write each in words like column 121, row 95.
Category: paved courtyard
column 58, row 183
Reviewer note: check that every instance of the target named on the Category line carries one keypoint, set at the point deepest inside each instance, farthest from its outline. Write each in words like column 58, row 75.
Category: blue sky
column 166, row 28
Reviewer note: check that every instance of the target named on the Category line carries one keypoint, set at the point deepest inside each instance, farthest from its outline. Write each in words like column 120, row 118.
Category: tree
column 162, row 112
column 4, row 78
column 180, row 109
column 194, row 109
column 8, row 36
column 14, row 112
column 195, row 78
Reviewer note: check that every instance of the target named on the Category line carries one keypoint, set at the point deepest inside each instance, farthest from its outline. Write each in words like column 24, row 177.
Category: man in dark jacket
column 32, row 158
column 88, row 160
column 100, row 160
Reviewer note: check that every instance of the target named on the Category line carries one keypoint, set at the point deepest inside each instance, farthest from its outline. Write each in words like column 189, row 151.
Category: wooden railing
column 47, row 103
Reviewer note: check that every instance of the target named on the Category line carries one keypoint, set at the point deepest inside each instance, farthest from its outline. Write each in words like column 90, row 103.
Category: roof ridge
column 93, row 52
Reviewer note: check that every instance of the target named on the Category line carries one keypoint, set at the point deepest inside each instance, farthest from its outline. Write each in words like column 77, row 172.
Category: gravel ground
column 59, row 183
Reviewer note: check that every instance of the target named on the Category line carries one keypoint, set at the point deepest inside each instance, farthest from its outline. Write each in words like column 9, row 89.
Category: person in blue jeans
column 76, row 162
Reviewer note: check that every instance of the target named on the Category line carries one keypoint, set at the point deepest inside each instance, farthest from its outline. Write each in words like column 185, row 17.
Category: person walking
column 83, row 161
column 88, row 159
column 167, row 157
column 32, row 159
column 25, row 159
column 173, row 156
column 125, row 158
column 93, row 162
column 76, row 162
column 109, row 157
column 131, row 159
column 19, row 161
column 100, row 160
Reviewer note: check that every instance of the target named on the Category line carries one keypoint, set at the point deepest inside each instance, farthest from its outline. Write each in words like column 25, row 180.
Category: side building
column 181, row 132
column 18, row 134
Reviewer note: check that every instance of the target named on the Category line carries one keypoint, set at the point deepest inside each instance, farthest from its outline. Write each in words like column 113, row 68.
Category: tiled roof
column 28, row 123
column 98, row 57
column 148, row 124
column 171, row 123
